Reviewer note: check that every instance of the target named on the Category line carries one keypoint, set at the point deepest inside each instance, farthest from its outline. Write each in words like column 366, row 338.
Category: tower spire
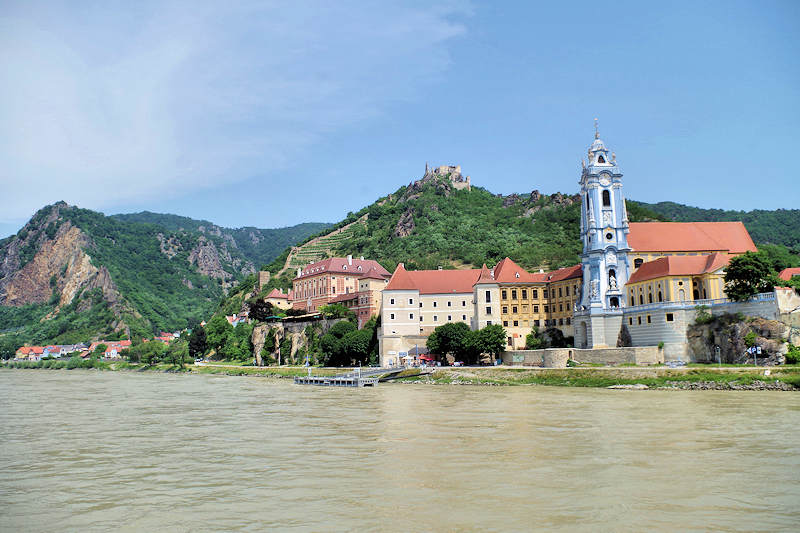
column 596, row 130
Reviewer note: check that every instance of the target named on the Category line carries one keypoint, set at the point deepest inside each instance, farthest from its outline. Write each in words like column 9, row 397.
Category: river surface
column 113, row 451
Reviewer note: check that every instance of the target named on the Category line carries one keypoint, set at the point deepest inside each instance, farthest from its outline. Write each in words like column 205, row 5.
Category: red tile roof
column 275, row 293
column 433, row 281
column 340, row 265
column 680, row 265
column 485, row 276
column 788, row 273
column 507, row 271
column 372, row 273
column 575, row 271
column 731, row 237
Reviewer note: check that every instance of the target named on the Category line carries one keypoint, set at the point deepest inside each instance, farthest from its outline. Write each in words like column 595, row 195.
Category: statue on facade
column 612, row 282
column 595, row 292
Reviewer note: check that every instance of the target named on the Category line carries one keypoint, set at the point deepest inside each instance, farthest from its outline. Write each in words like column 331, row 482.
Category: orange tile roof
column 507, row 271
column 731, row 237
column 574, row 271
column 485, row 276
column 340, row 265
column 433, row 281
column 372, row 273
column 788, row 273
column 680, row 265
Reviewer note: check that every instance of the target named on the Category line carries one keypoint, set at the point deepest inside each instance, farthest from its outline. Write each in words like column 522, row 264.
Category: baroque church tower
column 604, row 231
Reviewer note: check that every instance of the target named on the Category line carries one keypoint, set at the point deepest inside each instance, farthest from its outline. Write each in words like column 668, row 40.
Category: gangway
column 356, row 378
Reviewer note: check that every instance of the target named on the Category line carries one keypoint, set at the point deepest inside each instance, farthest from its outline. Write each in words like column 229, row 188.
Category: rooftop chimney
column 349, row 259
column 299, row 272
column 362, row 257
column 440, row 267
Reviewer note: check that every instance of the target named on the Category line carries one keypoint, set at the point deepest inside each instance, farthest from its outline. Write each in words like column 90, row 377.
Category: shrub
column 74, row 362
column 750, row 338
column 702, row 316
column 793, row 355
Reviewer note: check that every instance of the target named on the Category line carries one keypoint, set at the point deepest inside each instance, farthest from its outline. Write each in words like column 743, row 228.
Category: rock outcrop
column 734, row 335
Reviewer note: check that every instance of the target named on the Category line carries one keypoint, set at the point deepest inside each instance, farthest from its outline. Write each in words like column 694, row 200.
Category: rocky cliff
column 734, row 335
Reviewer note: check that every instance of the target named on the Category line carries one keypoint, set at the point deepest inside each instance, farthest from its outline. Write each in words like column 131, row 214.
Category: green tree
column 356, row 346
column 337, row 311
column 177, row 353
column 100, row 349
column 218, row 330
column 491, row 340
column 332, row 345
column 748, row 274
column 197, row 342
column 453, row 338
column 534, row 340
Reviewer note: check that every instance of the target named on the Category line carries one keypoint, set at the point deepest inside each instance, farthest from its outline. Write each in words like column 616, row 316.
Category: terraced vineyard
column 320, row 247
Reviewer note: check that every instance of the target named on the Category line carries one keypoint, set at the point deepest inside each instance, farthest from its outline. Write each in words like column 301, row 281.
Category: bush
column 750, row 338
column 793, row 355
column 74, row 362
column 702, row 316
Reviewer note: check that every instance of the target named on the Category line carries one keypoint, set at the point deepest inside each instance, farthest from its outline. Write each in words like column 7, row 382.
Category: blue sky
column 268, row 114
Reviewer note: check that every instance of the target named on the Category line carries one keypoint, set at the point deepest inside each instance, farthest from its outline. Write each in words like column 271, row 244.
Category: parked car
column 458, row 363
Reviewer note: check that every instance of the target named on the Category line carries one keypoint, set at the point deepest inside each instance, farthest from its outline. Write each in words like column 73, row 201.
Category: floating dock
column 357, row 378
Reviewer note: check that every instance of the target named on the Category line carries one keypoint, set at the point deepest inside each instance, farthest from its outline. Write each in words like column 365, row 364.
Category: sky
column 270, row 114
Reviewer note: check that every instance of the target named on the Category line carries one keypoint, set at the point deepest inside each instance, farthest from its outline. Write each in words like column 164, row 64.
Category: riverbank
column 784, row 378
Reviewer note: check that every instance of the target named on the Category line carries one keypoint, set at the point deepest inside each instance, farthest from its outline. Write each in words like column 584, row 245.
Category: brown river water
column 113, row 451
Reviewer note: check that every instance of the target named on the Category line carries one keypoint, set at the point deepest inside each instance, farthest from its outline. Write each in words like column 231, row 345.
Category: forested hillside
column 73, row 274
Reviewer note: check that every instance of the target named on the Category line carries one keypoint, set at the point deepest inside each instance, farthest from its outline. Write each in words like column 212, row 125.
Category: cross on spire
column 596, row 130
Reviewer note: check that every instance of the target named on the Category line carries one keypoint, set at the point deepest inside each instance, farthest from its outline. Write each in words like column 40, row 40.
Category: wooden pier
column 357, row 378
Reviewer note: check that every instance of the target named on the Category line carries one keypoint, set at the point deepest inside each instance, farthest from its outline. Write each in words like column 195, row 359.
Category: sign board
column 758, row 350
column 518, row 358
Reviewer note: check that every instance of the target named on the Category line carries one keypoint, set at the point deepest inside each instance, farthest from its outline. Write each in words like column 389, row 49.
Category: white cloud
column 113, row 103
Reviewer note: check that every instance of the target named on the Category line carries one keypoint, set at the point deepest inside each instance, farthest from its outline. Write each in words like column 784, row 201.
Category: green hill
column 73, row 274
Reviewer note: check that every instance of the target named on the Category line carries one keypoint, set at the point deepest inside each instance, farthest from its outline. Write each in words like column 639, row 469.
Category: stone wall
column 558, row 357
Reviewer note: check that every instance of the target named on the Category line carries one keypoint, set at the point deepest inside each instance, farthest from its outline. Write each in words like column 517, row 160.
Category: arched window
column 633, row 302
column 606, row 198
column 641, row 300
column 660, row 299
column 649, row 297
column 614, row 302
column 601, row 159
column 612, row 273
column 637, row 262
column 696, row 294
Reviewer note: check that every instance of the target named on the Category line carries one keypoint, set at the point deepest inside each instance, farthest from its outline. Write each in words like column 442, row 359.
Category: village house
column 279, row 300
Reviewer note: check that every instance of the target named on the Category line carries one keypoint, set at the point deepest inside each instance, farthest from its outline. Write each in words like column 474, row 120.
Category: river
column 115, row 451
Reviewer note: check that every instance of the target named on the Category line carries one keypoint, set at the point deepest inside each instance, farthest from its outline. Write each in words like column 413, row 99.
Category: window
column 505, row 310
column 488, row 297
column 544, row 293
column 560, row 321
column 449, row 318
column 559, row 292
column 670, row 317
column 488, row 322
column 516, row 323
column 630, row 321
column 639, row 320
column 535, row 293
column 410, row 301
column 420, row 304
column 637, row 262
column 434, row 304
column 463, row 303
column 505, row 323
column 488, row 310
column 435, row 318
column 513, row 294
column 514, row 310
column 524, row 294
column 510, row 340
column 411, row 316
column 391, row 300
column 504, row 295
column 463, row 317
column 569, row 321
column 614, row 302
column 536, row 323
column 535, row 308
column 648, row 319
column 560, row 308
column 420, row 318
column 391, row 316
column 609, row 236
column 633, row 302
column 546, row 310
column 606, row 195
column 660, row 299
column 566, row 291
column 641, row 300
column 449, row 304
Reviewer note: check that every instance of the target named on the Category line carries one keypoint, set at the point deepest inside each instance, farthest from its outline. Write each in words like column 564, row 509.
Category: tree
column 337, row 311
column 491, row 339
column 260, row 309
column 100, row 349
column 217, row 331
column 197, row 342
column 453, row 338
column 332, row 346
column 177, row 353
column 355, row 346
column 748, row 274
column 534, row 341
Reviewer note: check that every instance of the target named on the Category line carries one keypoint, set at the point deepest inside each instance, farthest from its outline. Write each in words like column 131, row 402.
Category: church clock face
column 604, row 181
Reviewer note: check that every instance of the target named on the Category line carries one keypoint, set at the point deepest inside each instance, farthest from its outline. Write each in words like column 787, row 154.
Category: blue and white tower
column 604, row 231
